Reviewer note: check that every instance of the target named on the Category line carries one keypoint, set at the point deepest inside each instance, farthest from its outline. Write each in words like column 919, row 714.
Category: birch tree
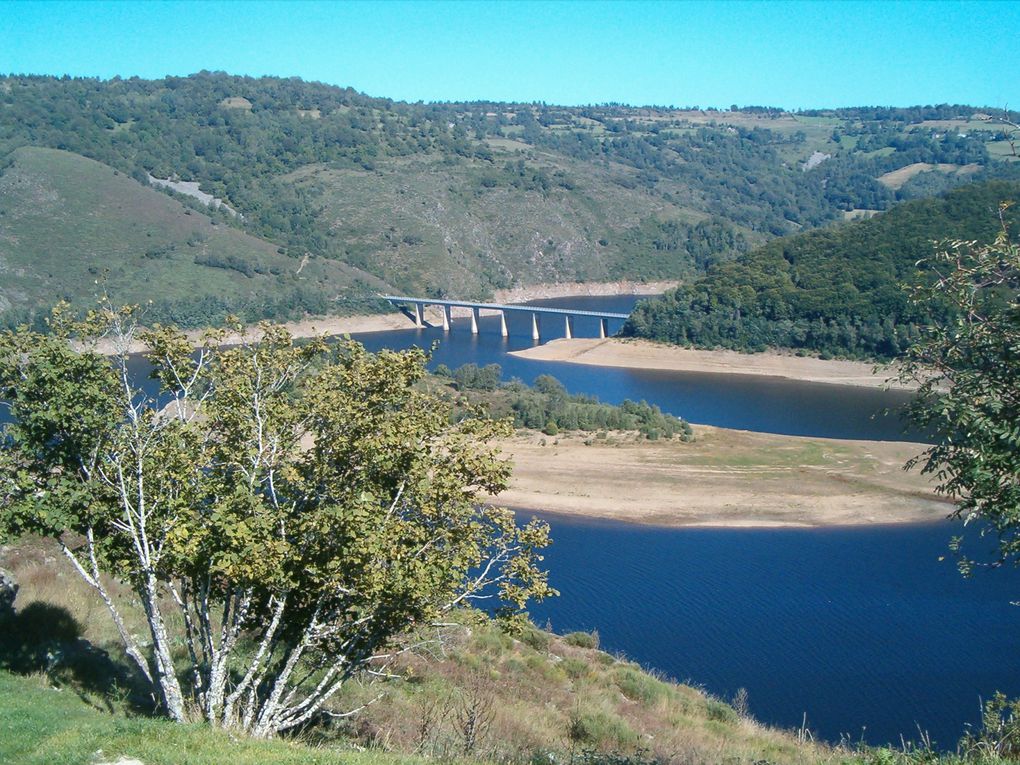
column 288, row 515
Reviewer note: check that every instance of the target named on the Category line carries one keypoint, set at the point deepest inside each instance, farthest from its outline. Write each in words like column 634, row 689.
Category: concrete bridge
column 418, row 305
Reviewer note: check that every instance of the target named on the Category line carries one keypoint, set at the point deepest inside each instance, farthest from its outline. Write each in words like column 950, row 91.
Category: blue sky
column 790, row 54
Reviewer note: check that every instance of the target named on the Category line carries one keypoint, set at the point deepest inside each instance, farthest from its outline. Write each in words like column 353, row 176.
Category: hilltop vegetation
column 363, row 193
column 837, row 291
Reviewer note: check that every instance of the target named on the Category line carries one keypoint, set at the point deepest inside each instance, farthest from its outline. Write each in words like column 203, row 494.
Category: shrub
column 492, row 642
column 602, row 729
column 582, row 639
column 720, row 711
column 575, row 668
column 638, row 686
column 536, row 639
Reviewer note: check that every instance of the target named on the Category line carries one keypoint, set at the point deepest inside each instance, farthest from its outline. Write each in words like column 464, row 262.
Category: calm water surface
column 864, row 630
column 747, row 402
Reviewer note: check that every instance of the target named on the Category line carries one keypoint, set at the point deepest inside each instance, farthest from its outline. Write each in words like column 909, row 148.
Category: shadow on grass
column 44, row 638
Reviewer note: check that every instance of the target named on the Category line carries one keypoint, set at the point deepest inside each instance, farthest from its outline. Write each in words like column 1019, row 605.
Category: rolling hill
column 72, row 228
column 838, row 291
column 328, row 194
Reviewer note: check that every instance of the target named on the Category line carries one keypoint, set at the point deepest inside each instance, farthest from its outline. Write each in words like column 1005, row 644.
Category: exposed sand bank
column 329, row 326
column 642, row 354
column 724, row 478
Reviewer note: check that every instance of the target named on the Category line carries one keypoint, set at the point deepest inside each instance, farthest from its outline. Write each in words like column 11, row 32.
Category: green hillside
column 834, row 291
column 475, row 225
column 461, row 199
column 71, row 228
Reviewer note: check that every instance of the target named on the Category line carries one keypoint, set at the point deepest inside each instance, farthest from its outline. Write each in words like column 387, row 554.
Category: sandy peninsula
column 724, row 478
column 643, row 354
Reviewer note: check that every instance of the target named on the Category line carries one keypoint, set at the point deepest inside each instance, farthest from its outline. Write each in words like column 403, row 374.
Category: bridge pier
column 415, row 307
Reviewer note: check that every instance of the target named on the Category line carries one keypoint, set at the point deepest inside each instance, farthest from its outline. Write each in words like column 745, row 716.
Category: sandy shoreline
column 328, row 326
column 725, row 478
column 643, row 354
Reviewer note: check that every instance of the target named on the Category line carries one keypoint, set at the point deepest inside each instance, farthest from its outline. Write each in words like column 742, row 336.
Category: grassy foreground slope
column 43, row 724
column 71, row 228
column 836, row 291
column 537, row 698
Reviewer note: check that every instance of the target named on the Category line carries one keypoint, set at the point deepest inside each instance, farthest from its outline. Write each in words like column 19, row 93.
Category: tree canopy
column 969, row 400
column 837, row 291
column 287, row 515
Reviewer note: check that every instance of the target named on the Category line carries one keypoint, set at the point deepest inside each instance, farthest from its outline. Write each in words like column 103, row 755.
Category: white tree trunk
column 169, row 686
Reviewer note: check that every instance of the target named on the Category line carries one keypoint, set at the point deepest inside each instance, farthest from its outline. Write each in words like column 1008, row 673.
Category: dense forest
column 837, row 291
column 454, row 199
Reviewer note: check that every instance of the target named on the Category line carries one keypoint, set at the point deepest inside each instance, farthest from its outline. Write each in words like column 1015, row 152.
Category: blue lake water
column 863, row 630
column 768, row 404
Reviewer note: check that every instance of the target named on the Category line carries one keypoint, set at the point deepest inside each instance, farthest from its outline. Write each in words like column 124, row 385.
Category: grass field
column 45, row 725
column 895, row 179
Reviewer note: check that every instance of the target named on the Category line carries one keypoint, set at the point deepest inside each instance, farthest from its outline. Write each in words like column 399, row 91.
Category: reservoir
column 767, row 404
column 863, row 632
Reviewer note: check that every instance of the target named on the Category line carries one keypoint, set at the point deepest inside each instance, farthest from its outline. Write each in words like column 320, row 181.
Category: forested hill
column 338, row 194
column 837, row 291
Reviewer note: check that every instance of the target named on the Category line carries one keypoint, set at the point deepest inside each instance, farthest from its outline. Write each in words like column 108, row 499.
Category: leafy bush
column 582, row 639
column 575, row 668
column 601, row 729
column 638, row 686
column 536, row 638
column 720, row 711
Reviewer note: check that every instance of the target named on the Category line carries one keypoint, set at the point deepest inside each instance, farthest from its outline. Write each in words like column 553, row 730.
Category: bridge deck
column 505, row 307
